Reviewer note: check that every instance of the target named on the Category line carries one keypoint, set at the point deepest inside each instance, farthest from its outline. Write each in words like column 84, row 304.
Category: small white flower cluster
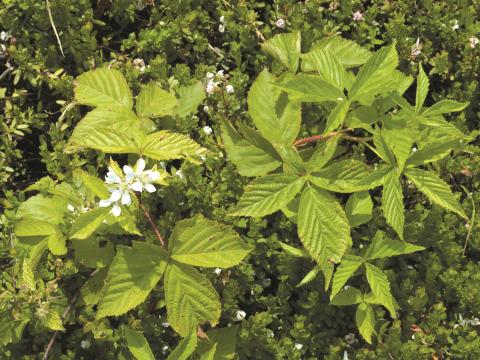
column 240, row 315
column 473, row 41
column 4, row 37
column 213, row 82
column 135, row 179
column 221, row 27
column 455, row 25
column 466, row 322
column 139, row 64
column 298, row 346
column 280, row 23
column 357, row 16
column 350, row 339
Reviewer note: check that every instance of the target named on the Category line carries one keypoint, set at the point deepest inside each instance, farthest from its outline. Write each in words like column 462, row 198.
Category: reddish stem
column 153, row 225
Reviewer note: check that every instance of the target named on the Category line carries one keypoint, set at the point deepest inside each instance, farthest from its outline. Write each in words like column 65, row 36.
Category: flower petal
column 127, row 169
column 153, row 175
column 116, row 195
column 136, row 186
column 150, row 188
column 140, row 166
column 105, row 203
column 126, row 199
column 112, row 178
column 116, row 210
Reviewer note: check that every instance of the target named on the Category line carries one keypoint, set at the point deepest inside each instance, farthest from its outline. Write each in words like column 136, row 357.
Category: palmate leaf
column 153, row 101
column 323, row 227
column 253, row 156
column 273, row 113
column 132, row 275
column 310, row 88
column 285, row 48
column 138, row 345
column 345, row 271
column 267, row 194
column 186, row 346
column 359, row 208
column 190, row 298
column 400, row 142
column 422, row 89
column 202, row 242
column 348, row 52
column 103, row 88
column 344, row 176
column 435, row 189
column 165, row 145
column 382, row 247
column 376, row 75
column 392, row 202
column 380, row 286
column 327, row 66
column 365, row 320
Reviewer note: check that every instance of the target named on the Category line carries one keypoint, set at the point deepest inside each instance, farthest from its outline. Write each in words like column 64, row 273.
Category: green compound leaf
column 186, row 346
column 267, row 194
column 359, row 208
column 103, row 88
column 153, row 101
column 138, row 345
column 190, row 298
column 345, row 271
column 365, row 320
column 392, row 202
column 383, row 247
column 380, row 286
column 422, row 89
column 202, row 242
column 165, row 145
column 328, row 66
column 285, row 48
column 347, row 297
column 86, row 224
column 133, row 273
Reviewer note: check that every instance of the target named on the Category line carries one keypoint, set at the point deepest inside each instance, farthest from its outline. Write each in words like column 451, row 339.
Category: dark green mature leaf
column 153, row 101
column 323, row 153
column 445, row 106
column 133, row 273
column 327, row 66
column 190, row 298
column 186, row 346
column 275, row 115
column 267, row 194
column 337, row 116
column 432, row 152
column 285, row 48
column 376, row 75
column 223, row 340
column 422, row 89
column 435, row 189
column 345, row 271
column 311, row 88
column 400, row 142
column 103, row 88
column 392, row 202
column 347, row 297
column 253, row 156
column 138, row 345
column 365, row 320
column 311, row 275
column 382, row 247
column 383, row 151
column 380, row 286
column 202, row 242
column 359, row 208
column 291, row 250
column 323, row 226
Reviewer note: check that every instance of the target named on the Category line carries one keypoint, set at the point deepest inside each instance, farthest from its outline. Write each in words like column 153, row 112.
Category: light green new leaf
column 435, row 189
column 50, row 209
column 222, row 340
column 153, row 101
column 253, row 156
column 337, row 117
column 311, row 275
column 432, row 152
column 285, row 48
column 365, row 320
column 52, row 320
column 267, row 194
column 190, row 97
column 359, row 208
column 323, row 226
column 86, row 224
column 202, row 242
column 133, row 273
column 138, row 345
column 103, row 88
column 444, row 107
column 93, row 184
column 293, row 251
column 392, row 202
column 344, row 176
column 380, row 286
column 345, row 271
column 165, row 145
column 186, row 346
column 347, row 297
column 107, row 140
column 11, row 329
column 422, row 89
column 190, row 298
column 274, row 114
column 376, row 75
column 382, row 247
column 348, row 52
column 311, row 88
column 30, row 263
column 327, row 66
column 39, row 229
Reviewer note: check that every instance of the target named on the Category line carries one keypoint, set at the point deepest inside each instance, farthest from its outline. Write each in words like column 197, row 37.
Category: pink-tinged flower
column 357, row 16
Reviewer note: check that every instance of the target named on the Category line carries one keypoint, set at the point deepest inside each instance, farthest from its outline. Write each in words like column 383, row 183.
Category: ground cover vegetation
column 239, row 179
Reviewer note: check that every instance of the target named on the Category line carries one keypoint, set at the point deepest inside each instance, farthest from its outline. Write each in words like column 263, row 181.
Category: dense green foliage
column 274, row 303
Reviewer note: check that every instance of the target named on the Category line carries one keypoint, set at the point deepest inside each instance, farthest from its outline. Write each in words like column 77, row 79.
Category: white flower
column 70, row 208
column 180, row 174
column 357, row 16
column 350, row 339
column 211, row 86
column 280, row 23
column 217, row 271
column 221, row 74
column 416, row 49
column 414, row 149
column 222, row 19
column 210, row 76
column 473, row 41
column 298, row 346
column 230, row 89
column 221, row 28
column 85, row 344
column 139, row 64
column 240, row 315
column 165, row 324
column 139, row 179
column 455, row 25
column 162, row 23
column 207, row 130
column 165, row 349
column 206, row 109
column 4, row 36
column 345, row 355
